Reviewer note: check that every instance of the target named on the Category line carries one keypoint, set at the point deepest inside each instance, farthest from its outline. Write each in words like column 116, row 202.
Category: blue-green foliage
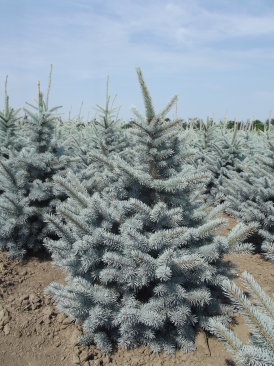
column 259, row 351
column 143, row 265
column 8, row 123
column 222, row 155
column 205, row 135
column 249, row 196
column 91, row 148
column 25, row 179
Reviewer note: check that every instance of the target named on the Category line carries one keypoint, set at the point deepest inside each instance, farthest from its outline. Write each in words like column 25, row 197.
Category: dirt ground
column 33, row 333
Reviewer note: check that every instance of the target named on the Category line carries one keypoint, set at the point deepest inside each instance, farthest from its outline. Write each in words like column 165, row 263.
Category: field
column 40, row 335
column 128, row 233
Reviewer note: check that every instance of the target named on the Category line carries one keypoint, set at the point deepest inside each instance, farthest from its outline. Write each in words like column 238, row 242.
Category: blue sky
column 216, row 55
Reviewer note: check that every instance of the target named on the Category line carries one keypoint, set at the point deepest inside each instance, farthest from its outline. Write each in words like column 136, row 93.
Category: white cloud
column 88, row 39
column 176, row 33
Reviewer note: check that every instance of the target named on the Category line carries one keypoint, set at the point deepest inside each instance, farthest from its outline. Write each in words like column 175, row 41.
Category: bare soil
column 34, row 333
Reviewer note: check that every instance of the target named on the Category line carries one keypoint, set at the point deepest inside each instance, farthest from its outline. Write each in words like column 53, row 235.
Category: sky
column 217, row 56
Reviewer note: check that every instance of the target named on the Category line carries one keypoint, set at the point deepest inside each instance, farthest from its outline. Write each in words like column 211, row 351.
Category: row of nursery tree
column 132, row 215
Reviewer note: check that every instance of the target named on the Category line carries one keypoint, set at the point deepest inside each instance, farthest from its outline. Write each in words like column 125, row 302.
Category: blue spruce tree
column 221, row 157
column 26, row 182
column 94, row 146
column 143, row 265
column 8, row 126
column 249, row 197
column 259, row 351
